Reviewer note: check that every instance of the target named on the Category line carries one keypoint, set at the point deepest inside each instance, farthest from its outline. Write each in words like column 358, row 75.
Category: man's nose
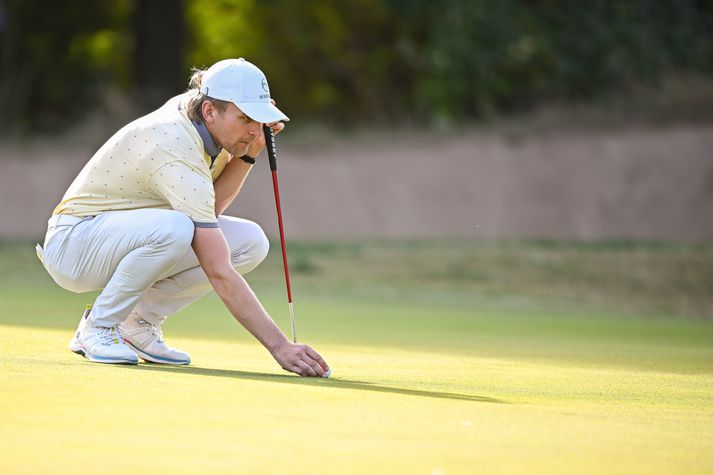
column 255, row 128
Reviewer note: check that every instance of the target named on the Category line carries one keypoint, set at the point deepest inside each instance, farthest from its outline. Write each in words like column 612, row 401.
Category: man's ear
column 208, row 111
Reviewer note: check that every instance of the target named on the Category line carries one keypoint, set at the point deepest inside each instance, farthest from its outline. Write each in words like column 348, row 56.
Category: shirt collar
column 208, row 143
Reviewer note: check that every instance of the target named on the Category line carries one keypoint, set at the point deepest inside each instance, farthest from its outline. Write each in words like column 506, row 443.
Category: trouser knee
column 175, row 232
column 255, row 249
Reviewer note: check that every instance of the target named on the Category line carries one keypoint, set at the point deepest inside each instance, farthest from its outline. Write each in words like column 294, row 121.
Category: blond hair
column 194, row 107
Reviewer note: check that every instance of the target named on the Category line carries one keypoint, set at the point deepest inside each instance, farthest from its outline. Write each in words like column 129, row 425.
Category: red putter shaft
column 272, row 156
column 282, row 234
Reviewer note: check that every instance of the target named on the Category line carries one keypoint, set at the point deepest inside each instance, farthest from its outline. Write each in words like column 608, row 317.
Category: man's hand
column 300, row 359
column 258, row 144
column 214, row 256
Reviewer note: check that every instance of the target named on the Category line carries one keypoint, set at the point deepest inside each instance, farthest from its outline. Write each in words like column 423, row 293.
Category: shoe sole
column 148, row 357
column 102, row 359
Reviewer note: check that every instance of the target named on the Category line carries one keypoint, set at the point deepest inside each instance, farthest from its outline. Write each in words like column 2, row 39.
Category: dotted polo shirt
column 161, row 160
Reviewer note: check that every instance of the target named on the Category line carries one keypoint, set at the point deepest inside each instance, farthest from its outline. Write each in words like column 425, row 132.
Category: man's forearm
column 247, row 310
column 229, row 183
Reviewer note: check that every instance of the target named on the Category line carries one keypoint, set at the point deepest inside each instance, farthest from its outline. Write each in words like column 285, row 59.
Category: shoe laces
column 110, row 336
column 155, row 330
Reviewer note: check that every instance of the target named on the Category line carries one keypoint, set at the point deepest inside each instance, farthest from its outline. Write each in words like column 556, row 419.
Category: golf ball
column 328, row 373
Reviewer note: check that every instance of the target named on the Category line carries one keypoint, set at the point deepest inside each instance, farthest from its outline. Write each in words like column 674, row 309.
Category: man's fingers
column 311, row 357
column 315, row 356
column 277, row 127
column 305, row 357
column 306, row 369
column 316, row 367
column 302, row 360
column 275, row 124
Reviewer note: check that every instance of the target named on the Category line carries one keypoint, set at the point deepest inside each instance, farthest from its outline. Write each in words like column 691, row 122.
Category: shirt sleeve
column 187, row 190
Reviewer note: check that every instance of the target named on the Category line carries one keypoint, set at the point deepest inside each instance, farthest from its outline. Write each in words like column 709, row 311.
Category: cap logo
column 263, row 83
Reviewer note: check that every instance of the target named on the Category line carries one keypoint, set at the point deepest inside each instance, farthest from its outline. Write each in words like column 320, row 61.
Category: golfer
column 143, row 222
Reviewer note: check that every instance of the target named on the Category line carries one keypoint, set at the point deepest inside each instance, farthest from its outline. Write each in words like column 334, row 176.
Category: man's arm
column 214, row 256
column 229, row 183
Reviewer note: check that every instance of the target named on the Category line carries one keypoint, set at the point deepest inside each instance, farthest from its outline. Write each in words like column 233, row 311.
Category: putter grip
column 270, row 143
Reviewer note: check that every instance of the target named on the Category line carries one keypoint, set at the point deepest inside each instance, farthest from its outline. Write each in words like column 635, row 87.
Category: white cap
column 243, row 84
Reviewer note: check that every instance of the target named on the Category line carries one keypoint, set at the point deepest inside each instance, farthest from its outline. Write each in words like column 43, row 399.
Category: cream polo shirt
column 156, row 161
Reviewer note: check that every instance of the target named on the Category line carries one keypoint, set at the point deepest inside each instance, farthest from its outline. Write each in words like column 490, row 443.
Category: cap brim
column 264, row 112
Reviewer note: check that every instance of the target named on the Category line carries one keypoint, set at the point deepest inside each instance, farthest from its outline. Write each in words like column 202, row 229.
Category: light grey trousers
column 142, row 260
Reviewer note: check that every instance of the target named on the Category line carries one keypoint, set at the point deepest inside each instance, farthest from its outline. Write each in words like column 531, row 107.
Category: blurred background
column 567, row 144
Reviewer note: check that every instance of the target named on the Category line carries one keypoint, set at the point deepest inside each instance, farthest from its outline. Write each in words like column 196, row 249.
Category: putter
column 272, row 156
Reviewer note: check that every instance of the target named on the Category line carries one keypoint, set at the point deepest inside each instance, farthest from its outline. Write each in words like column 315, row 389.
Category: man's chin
column 239, row 151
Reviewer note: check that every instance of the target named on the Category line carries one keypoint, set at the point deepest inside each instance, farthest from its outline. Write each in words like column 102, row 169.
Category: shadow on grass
column 331, row 383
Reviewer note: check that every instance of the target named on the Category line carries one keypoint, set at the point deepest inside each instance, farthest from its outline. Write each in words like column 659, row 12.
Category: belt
column 63, row 220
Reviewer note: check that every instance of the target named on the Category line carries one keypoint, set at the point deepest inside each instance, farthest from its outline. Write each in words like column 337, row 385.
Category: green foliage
column 219, row 30
column 55, row 58
column 369, row 61
column 366, row 62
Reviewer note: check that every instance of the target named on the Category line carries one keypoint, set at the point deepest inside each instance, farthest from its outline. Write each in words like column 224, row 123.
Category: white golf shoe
column 100, row 344
column 146, row 340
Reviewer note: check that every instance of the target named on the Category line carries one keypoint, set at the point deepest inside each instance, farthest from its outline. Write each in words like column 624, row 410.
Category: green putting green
column 429, row 381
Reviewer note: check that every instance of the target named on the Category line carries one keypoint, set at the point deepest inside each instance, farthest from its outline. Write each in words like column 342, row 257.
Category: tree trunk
column 159, row 35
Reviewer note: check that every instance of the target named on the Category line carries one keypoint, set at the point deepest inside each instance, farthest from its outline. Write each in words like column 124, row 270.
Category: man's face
column 232, row 129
